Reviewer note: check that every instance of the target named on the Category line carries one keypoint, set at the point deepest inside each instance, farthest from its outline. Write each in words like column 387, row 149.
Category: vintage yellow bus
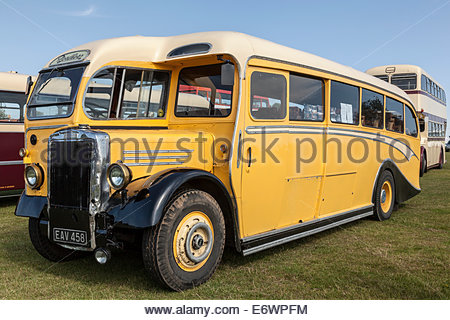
column 191, row 142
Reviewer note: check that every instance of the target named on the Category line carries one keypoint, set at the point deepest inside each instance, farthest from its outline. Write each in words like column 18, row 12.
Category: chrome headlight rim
column 39, row 173
column 126, row 173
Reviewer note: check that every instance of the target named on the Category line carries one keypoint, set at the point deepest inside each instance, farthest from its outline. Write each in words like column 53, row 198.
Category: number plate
column 70, row 236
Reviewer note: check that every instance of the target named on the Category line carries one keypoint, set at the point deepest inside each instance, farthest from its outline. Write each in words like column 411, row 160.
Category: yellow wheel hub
column 386, row 196
column 193, row 241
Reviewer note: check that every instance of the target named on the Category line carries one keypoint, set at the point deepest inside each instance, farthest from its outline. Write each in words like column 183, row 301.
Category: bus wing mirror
column 28, row 85
column 227, row 74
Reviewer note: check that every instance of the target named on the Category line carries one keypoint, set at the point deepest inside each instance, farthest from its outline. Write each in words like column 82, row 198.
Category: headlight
column 33, row 176
column 118, row 175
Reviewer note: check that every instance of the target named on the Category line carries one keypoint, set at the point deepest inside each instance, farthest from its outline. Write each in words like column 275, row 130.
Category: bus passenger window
column 394, row 115
column 344, row 103
column 269, row 88
column 98, row 94
column 423, row 81
column 410, row 122
column 372, row 109
column 305, row 98
column 201, row 93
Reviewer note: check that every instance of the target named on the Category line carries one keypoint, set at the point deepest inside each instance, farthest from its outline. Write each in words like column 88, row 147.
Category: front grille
column 70, row 173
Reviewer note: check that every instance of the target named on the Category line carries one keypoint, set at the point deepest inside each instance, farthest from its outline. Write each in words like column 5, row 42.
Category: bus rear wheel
column 184, row 250
column 441, row 160
column 423, row 164
column 384, row 196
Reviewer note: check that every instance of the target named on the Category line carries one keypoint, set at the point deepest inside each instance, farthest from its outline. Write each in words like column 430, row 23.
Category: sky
column 361, row 34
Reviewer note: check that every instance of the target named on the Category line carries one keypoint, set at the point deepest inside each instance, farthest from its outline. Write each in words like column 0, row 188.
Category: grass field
column 406, row 257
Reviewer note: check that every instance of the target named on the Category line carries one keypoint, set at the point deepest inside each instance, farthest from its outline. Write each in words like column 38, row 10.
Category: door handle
column 249, row 153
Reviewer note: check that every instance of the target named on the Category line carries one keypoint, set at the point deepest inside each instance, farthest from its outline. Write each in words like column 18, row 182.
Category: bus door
column 264, row 151
column 342, row 146
column 307, row 130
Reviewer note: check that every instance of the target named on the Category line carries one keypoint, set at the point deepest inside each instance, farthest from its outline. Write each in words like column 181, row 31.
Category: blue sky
column 361, row 34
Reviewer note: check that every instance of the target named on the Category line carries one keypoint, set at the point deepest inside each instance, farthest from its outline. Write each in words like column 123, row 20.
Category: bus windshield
column 405, row 81
column 11, row 106
column 54, row 93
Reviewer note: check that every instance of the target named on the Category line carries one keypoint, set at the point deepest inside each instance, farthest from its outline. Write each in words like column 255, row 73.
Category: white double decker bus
column 430, row 102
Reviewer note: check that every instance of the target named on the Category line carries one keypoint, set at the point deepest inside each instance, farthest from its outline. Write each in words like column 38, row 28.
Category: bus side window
column 305, row 98
column 423, row 82
column 394, row 115
column 410, row 122
column 202, row 94
column 372, row 109
column 272, row 88
column 344, row 103
column 98, row 94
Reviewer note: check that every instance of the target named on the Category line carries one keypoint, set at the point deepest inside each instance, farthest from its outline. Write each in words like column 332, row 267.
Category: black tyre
column 384, row 196
column 184, row 250
column 423, row 164
column 441, row 160
column 46, row 248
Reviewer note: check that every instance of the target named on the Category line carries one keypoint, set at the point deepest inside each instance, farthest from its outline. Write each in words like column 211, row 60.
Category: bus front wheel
column 185, row 248
column 385, row 196
column 46, row 248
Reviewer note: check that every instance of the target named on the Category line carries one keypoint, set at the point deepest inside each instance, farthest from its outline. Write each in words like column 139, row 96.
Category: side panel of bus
column 11, row 167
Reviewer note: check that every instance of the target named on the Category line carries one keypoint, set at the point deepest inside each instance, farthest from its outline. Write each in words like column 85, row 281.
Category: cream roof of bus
column 11, row 81
column 401, row 68
column 238, row 45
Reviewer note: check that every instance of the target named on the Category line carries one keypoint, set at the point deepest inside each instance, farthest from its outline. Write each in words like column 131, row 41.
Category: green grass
column 406, row 257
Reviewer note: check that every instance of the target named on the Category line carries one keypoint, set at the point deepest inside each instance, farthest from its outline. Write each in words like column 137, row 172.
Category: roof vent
column 190, row 49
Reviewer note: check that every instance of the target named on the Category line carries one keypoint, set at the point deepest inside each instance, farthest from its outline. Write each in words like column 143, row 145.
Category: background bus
column 430, row 102
column 13, row 88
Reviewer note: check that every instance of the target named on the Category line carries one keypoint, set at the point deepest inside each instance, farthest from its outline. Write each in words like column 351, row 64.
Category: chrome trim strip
column 155, row 157
column 12, row 195
column 305, row 234
column 11, row 163
column 291, row 129
column 371, row 133
column 274, row 232
column 134, row 164
column 152, row 152
column 46, row 127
